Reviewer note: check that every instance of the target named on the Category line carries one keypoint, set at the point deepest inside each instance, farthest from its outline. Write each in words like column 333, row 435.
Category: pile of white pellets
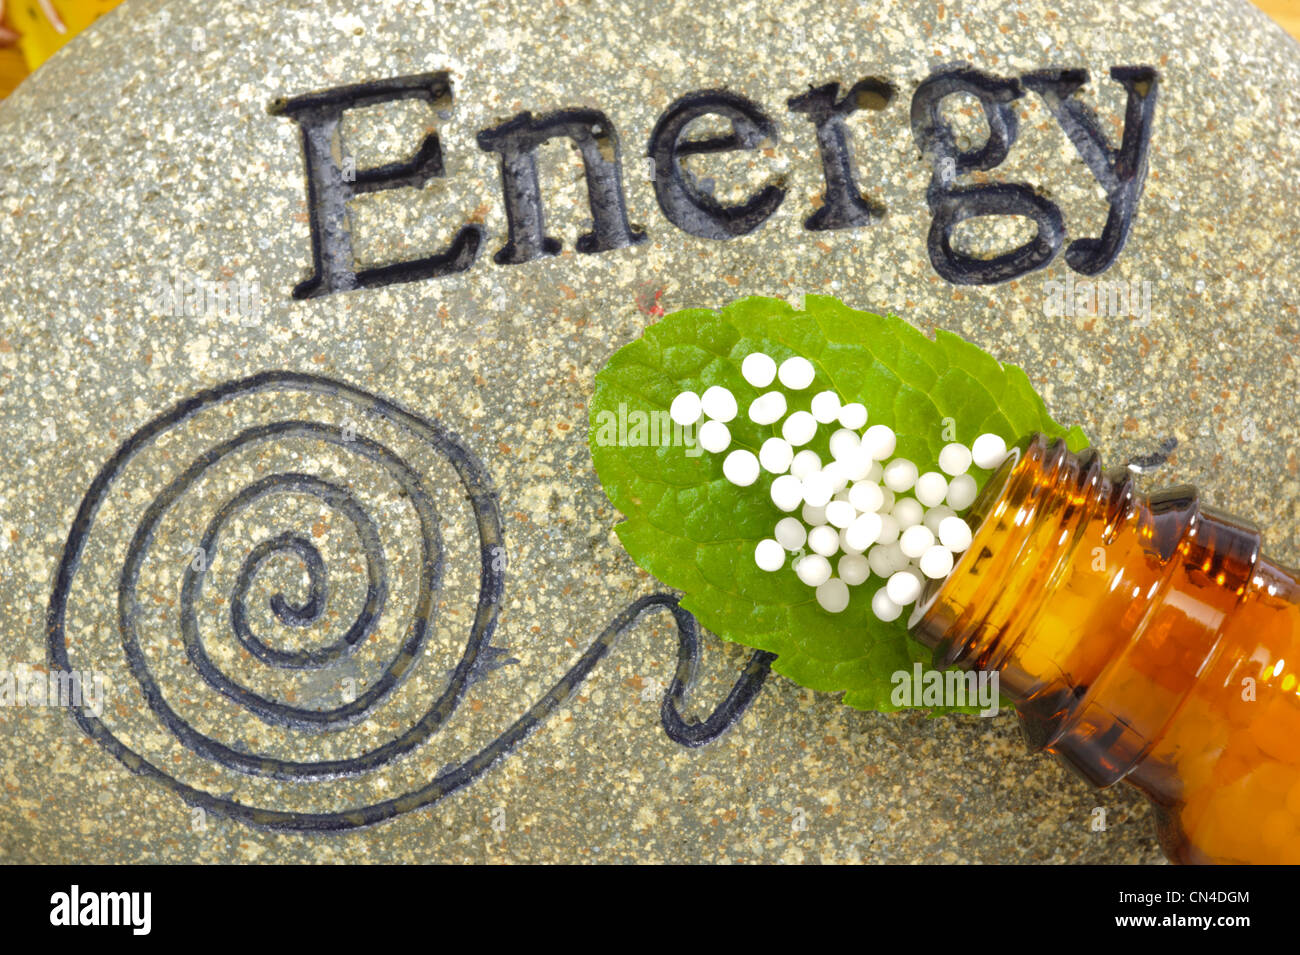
column 868, row 511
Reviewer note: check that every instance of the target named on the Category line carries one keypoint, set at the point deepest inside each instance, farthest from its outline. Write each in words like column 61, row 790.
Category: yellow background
column 1285, row 12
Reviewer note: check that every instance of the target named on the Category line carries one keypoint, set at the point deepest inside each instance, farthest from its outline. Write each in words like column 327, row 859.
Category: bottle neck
column 1026, row 521
column 1068, row 592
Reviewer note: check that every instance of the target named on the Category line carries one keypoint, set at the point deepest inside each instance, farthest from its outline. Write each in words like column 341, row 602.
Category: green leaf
column 696, row 532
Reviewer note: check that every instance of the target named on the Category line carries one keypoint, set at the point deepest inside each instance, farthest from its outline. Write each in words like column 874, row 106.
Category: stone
column 297, row 482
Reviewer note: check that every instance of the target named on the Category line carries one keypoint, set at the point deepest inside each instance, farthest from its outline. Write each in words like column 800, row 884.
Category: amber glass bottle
column 1140, row 637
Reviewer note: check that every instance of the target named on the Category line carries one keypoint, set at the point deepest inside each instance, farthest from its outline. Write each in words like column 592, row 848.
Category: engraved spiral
column 279, row 641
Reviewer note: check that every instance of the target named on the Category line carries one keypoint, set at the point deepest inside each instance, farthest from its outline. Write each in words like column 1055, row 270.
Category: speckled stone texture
column 147, row 151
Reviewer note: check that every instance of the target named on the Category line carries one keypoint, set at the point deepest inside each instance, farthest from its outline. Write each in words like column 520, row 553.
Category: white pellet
column 853, row 569
column 718, row 403
column 769, row 555
column 988, row 451
column 825, row 406
column 740, row 467
column 916, row 575
column 879, row 441
column 880, row 562
column 824, row 540
column 767, row 408
column 685, row 409
column 903, row 587
column 714, row 437
column 758, row 369
column 776, row 455
column 806, row 462
column 887, row 504
column 936, row 562
column 838, row 475
column 954, row 534
column 863, row 532
column 887, row 560
column 954, row 459
column 935, row 516
column 812, row 516
column 908, row 512
column 931, row 488
column 796, row 373
column 846, row 545
column 840, row 513
column 916, row 540
column 884, row 608
column 875, row 473
column 817, row 489
column 900, row 474
column 787, row 492
column 790, row 533
column 799, row 428
column 813, row 569
column 858, row 465
column 961, row 492
column 889, row 529
column 844, row 444
column 853, row 415
column 866, row 496
column 833, row 595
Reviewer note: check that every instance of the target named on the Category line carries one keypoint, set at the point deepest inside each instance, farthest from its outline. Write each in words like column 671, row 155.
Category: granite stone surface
column 445, row 416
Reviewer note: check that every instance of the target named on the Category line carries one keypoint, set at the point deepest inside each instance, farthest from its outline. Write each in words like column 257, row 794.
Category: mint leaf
column 696, row 532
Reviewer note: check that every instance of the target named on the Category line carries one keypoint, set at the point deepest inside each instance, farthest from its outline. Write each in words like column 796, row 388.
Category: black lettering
column 516, row 140
column 329, row 190
column 1121, row 173
column 843, row 206
column 952, row 205
column 683, row 202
